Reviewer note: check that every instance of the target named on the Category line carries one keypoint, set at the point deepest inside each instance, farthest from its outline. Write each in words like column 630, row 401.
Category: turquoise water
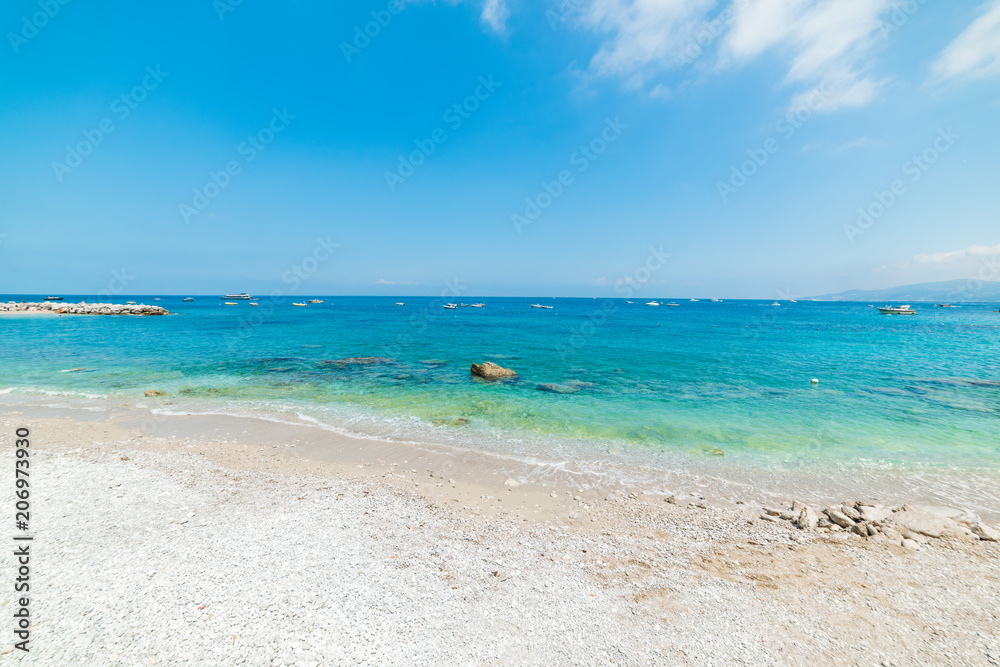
column 659, row 386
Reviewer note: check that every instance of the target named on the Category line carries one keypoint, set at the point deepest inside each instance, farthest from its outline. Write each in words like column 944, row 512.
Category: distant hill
column 944, row 292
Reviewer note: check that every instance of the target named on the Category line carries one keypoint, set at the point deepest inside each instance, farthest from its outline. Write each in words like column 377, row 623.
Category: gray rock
column 808, row 519
column 491, row 371
column 852, row 513
column 839, row 518
column 910, row 544
column 876, row 513
column 985, row 532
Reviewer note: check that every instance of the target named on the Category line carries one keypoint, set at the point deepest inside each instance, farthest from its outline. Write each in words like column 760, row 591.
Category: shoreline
column 647, row 581
column 722, row 483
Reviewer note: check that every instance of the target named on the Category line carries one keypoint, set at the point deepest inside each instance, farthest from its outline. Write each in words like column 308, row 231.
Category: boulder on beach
column 491, row 371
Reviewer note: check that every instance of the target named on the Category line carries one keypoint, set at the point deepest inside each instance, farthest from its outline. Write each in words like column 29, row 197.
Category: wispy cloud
column 495, row 14
column 975, row 52
column 973, row 251
column 827, row 43
column 383, row 281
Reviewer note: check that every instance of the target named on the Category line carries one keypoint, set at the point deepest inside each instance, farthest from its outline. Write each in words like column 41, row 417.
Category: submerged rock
column 358, row 361
column 491, row 371
column 153, row 392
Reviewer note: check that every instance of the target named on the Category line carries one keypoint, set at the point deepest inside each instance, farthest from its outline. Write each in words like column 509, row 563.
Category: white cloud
column 642, row 35
column 976, row 52
column 383, row 281
column 495, row 14
column 972, row 252
column 827, row 43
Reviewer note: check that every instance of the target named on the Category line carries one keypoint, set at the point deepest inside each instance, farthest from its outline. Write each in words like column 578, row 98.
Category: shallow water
column 718, row 389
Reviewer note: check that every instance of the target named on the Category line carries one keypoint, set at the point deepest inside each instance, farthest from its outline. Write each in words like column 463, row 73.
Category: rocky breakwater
column 82, row 308
column 905, row 526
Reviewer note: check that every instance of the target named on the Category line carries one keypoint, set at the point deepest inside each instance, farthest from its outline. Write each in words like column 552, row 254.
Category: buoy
column 815, row 381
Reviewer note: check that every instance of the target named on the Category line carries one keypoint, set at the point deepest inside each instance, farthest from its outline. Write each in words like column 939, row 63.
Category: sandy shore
column 216, row 541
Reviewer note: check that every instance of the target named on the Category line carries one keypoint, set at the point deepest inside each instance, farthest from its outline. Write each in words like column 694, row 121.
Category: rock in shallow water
column 491, row 371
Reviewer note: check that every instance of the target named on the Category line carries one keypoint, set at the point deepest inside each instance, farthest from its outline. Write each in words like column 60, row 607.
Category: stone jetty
column 82, row 308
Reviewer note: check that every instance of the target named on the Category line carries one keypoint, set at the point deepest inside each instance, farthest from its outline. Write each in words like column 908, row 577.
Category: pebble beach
column 173, row 549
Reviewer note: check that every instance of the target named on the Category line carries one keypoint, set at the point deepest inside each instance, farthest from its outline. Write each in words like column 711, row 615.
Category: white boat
column 538, row 305
column 130, row 303
column 775, row 304
column 298, row 304
column 315, row 301
column 628, row 302
column 716, row 300
column 241, row 295
column 897, row 310
column 695, row 299
column 188, row 298
column 451, row 306
column 675, row 305
column 400, row 303
column 479, row 305
column 792, row 301
column 652, row 303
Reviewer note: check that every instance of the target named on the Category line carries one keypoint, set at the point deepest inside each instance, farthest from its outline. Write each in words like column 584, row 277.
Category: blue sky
column 743, row 139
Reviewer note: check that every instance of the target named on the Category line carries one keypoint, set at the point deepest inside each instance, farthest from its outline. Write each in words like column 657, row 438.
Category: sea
column 830, row 398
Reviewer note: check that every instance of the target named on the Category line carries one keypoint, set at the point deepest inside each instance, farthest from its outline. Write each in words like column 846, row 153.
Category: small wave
column 51, row 392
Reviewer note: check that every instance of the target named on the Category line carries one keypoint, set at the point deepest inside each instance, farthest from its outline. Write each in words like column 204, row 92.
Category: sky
column 755, row 148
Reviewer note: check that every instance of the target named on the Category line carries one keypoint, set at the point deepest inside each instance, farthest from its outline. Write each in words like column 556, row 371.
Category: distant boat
column 464, row 305
column 775, row 304
column 652, row 303
column 188, row 298
column 479, row 305
column 716, row 300
column 538, row 305
column 695, row 299
column 451, row 306
column 130, row 303
column 315, row 301
column 400, row 303
column 253, row 303
column 792, row 301
column 242, row 295
column 298, row 304
column 230, row 303
column 156, row 298
column 675, row 305
column 53, row 298
column 897, row 310
column 628, row 302
column 944, row 305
